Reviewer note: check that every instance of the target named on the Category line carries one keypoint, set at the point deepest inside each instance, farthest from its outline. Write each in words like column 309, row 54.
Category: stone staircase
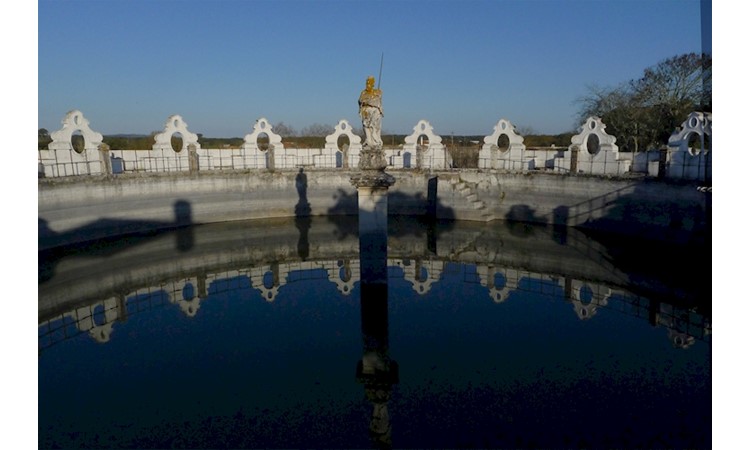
column 468, row 192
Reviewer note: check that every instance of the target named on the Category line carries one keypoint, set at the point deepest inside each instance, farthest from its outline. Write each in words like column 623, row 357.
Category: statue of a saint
column 371, row 112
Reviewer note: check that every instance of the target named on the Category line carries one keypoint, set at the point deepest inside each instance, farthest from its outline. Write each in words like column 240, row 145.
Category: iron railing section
column 63, row 163
column 70, row 325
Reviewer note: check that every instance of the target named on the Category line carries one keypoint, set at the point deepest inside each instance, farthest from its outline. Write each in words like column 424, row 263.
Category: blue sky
column 462, row 65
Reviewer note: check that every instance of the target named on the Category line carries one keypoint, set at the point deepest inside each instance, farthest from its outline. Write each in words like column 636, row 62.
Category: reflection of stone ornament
column 184, row 294
column 587, row 298
column 257, row 280
column 680, row 340
column 344, row 274
column 420, row 274
column 101, row 334
column 498, row 292
column 85, row 319
column 189, row 307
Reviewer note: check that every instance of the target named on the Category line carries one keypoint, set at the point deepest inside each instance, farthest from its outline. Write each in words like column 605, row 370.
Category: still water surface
column 249, row 335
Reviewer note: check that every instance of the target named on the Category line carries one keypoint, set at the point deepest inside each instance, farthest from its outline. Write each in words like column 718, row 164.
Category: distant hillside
column 134, row 141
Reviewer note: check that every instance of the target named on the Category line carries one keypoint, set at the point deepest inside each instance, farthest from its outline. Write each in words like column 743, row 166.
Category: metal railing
column 665, row 163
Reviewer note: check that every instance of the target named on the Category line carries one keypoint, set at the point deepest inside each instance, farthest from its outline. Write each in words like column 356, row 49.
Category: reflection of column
column 122, row 309
column 373, row 232
column 303, row 243
column 375, row 370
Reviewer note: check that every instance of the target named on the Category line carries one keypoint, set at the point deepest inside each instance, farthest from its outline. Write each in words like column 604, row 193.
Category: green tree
column 643, row 113
column 117, row 142
column 44, row 138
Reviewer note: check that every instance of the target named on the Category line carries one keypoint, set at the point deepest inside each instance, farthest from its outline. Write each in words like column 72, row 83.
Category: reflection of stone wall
column 96, row 292
column 99, row 318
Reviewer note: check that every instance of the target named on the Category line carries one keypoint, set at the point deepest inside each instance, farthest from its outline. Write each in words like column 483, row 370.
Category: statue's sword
column 380, row 74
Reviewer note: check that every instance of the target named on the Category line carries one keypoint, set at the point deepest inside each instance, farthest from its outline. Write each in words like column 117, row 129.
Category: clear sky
column 461, row 64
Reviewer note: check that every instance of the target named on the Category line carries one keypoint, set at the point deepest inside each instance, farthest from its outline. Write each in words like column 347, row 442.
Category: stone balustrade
column 592, row 151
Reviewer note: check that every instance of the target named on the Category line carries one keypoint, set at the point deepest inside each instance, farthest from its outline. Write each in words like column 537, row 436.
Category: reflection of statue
column 371, row 112
column 376, row 370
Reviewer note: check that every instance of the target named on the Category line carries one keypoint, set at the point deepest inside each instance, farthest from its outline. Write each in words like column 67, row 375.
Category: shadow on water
column 661, row 244
column 676, row 235
column 106, row 237
column 424, row 222
column 302, row 211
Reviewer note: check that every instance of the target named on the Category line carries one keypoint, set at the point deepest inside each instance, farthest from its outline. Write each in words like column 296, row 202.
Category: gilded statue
column 371, row 112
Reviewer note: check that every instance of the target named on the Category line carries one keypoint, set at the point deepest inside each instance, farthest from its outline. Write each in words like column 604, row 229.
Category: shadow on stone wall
column 106, row 237
column 519, row 220
column 432, row 217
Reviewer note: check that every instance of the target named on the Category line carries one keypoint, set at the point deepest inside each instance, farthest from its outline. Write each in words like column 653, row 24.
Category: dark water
column 251, row 336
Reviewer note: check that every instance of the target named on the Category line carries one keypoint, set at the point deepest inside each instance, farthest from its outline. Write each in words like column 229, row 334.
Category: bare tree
column 525, row 130
column 284, row 130
column 317, row 129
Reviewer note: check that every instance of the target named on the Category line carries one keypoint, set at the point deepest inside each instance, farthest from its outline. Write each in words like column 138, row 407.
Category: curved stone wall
column 79, row 209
